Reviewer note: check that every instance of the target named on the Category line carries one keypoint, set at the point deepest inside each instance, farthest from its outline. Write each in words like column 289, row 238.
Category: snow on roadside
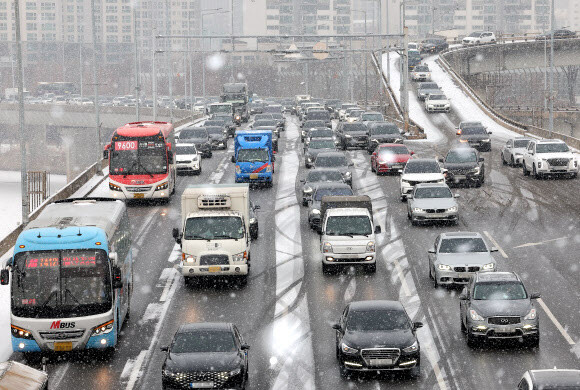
column 416, row 111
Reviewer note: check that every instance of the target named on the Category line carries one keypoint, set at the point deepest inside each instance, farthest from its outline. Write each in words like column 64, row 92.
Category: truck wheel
column 471, row 340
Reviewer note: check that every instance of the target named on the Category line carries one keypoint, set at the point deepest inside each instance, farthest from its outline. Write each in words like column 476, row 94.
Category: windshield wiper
column 196, row 237
column 225, row 236
column 67, row 291
column 52, row 294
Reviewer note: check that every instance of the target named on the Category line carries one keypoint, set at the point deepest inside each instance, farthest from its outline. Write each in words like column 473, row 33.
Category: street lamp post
column 366, row 60
column 552, row 25
column 217, row 11
column 96, row 86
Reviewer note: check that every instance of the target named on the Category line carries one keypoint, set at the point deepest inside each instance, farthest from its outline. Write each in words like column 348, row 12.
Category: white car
column 413, row 46
column 479, row 38
column 420, row 170
column 421, row 73
column 513, row 151
column 187, row 159
column 549, row 157
column 437, row 102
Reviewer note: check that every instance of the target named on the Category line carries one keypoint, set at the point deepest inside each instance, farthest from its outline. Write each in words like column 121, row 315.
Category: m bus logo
column 62, row 325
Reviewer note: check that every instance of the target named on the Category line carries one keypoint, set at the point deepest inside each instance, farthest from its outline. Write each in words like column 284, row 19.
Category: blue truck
column 254, row 157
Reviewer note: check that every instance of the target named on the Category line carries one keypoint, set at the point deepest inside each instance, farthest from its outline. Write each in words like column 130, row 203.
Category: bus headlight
column 103, row 328
column 162, row 186
column 21, row 333
column 114, row 187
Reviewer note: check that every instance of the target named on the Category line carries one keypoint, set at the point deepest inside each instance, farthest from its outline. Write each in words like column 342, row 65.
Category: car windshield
column 318, row 115
column 462, row 245
column 211, row 228
column 421, row 69
column 138, row 156
column 377, row 320
column 432, row 192
column 321, row 144
column 312, row 124
column 521, row 143
column 393, row 150
column 473, row 130
column 185, row 149
column 422, row 167
column 437, row 97
column 372, row 117
column 463, row 125
column 499, row 291
column 350, row 225
column 428, row 86
column 461, row 156
column 331, row 161
column 253, row 155
column 552, row 148
column 347, row 106
column 215, row 122
column 474, row 35
column 203, row 341
column 316, row 175
column 321, row 134
column 320, row 192
column 385, row 129
column 192, row 133
column 353, row 127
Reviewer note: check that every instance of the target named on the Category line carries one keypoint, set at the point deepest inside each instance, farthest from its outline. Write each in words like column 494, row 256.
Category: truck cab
column 348, row 233
column 254, row 157
column 216, row 231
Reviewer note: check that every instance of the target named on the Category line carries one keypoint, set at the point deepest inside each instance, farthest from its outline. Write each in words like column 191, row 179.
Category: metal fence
column 38, row 188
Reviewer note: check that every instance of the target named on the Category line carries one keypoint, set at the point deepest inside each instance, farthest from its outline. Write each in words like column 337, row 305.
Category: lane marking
column 57, row 378
column 494, row 242
column 404, row 284
column 439, row 376
column 168, row 284
column 540, row 243
column 556, row 322
column 136, row 369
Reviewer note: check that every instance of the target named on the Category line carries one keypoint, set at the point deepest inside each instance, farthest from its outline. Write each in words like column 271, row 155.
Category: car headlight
column 235, row 372
column 412, row 348
column 162, row 186
column 326, row 247
column 418, row 210
column 375, row 140
column 347, row 174
column 474, row 316
column 240, row 256
column 531, row 315
column 475, row 170
column 444, row 267
column 404, row 183
column 488, row 266
column 253, row 220
column 316, row 211
column 348, row 350
column 370, row 246
column 269, row 168
column 348, row 135
column 103, row 328
column 486, row 140
column 452, row 209
column 309, row 158
column 114, row 187
column 307, row 190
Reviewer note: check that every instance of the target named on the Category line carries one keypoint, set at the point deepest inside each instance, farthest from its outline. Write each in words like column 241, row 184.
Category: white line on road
column 56, row 378
column 136, row 369
column 540, row 243
column 556, row 322
column 168, row 284
column 494, row 242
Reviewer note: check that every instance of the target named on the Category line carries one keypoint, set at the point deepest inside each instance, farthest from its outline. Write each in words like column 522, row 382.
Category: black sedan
column 315, row 147
column 383, row 133
column 198, row 136
column 464, row 165
column 477, row 137
column 558, row 34
column 376, row 336
column 433, row 45
column 353, row 135
column 218, row 137
column 205, row 355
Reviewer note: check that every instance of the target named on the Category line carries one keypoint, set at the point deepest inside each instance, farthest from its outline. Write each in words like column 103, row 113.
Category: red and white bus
column 142, row 161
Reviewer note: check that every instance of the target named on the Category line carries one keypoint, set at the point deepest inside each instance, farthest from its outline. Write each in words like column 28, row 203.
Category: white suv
column 187, row 159
column 549, row 156
column 437, row 102
column 479, row 38
column 420, row 170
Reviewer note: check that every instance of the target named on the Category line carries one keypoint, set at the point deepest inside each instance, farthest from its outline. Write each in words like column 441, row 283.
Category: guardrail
column 418, row 130
column 511, row 124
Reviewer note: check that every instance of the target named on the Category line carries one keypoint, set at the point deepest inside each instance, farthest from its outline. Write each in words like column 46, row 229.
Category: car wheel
column 525, row 169
column 242, row 280
column 471, row 340
column 415, row 372
column 403, row 198
column 370, row 268
column 413, row 222
column 512, row 161
column 533, row 341
column 344, row 372
column 408, row 215
column 463, row 328
column 535, row 173
column 503, row 161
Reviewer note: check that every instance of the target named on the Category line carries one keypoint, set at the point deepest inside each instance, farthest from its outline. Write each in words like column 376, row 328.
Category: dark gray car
column 218, row 137
column 198, row 136
column 496, row 305
column 383, row 133
column 315, row 147
column 353, row 135
column 426, row 88
column 228, row 121
column 464, row 165
column 335, row 160
column 477, row 137
column 316, row 177
column 325, row 189
column 219, row 122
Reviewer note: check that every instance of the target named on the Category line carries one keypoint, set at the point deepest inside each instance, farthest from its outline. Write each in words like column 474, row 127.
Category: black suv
column 464, row 165
column 377, row 336
column 205, row 355
column 198, row 136
column 433, row 45
column 476, row 136
column 383, row 133
column 353, row 135
column 496, row 305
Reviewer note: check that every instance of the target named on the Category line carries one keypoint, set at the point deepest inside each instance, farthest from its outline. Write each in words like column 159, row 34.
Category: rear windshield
column 332, row 192
column 462, row 245
column 422, row 167
column 473, row 130
column 331, row 161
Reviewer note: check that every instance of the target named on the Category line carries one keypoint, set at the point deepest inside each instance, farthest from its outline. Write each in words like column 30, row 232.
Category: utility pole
column 233, row 42
column 388, row 45
column 552, row 25
column 19, row 76
column 137, row 70
column 154, row 74
column 96, row 88
column 191, row 100
column 168, row 62
column 81, row 65
column 404, row 82
column 366, row 67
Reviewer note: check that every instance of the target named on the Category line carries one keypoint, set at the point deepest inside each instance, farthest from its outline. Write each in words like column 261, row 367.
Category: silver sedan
column 430, row 202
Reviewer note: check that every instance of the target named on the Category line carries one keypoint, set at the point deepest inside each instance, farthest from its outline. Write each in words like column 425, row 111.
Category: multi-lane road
column 286, row 310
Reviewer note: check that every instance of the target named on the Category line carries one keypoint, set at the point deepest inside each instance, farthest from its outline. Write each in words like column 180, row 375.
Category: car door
column 342, row 323
column 529, row 156
column 464, row 304
column 240, row 342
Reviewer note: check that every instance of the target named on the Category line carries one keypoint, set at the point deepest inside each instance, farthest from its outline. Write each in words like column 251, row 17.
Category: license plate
column 253, row 175
column 214, row 269
column 138, row 196
column 381, row 362
column 506, row 329
column 63, row 346
column 397, row 166
column 201, row 385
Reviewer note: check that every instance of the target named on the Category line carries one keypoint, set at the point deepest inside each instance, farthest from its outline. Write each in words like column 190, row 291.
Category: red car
column 390, row 158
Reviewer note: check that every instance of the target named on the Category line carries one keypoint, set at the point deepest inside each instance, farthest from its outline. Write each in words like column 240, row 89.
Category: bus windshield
column 138, row 156
column 217, row 108
column 64, row 283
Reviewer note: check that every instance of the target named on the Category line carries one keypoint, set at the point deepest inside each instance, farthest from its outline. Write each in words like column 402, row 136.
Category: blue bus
column 71, row 277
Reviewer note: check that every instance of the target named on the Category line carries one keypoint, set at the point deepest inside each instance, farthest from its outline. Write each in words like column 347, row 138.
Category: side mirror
column 165, row 348
column 170, row 157
column 444, row 170
column 493, row 249
column 302, row 180
column 113, row 257
column 175, row 234
column 374, row 154
column 245, row 347
column 481, row 159
column 440, row 159
column 417, row 325
column 534, row 295
column 489, row 132
column 412, row 153
column 106, row 153
column 456, row 196
column 432, row 250
column 336, row 326
column 351, row 164
column 117, row 277
column 233, row 159
column 377, row 229
column 463, row 297
column 4, row 277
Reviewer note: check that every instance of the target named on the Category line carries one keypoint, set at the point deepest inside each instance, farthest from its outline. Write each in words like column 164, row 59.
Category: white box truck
column 348, row 232
column 218, row 224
